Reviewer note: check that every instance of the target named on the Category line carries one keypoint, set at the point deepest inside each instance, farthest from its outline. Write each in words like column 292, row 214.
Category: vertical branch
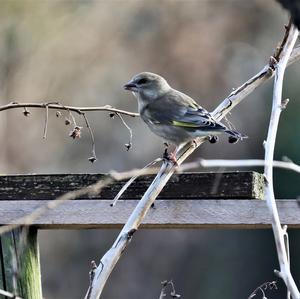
column 279, row 233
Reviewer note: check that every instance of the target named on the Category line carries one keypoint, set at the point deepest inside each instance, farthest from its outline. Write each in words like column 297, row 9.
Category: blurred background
column 81, row 53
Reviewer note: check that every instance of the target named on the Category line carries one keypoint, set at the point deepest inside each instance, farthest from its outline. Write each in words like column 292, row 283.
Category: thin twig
column 73, row 118
column 216, row 163
column 58, row 106
column 279, row 48
column 46, row 122
column 93, row 158
column 173, row 293
column 279, row 233
column 129, row 144
column 80, row 111
column 132, row 179
column 270, row 285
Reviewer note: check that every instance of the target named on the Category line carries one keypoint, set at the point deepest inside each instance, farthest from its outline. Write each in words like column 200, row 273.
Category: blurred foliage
column 81, row 53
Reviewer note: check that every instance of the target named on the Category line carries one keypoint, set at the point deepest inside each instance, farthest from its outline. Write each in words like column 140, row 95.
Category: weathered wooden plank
column 165, row 214
column 228, row 185
column 20, row 264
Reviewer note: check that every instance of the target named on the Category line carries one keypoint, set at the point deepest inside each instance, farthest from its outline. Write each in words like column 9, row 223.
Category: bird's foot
column 194, row 143
column 213, row 139
column 171, row 157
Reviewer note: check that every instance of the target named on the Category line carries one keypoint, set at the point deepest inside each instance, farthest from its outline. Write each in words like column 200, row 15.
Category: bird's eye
column 142, row 81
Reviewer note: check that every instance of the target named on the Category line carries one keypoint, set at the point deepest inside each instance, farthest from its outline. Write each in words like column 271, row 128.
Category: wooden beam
column 227, row 185
column 165, row 214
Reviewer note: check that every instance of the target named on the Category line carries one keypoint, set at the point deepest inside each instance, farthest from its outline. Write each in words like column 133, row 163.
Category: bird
column 173, row 115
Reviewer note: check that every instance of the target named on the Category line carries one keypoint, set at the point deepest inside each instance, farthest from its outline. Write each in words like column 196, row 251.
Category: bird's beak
column 131, row 86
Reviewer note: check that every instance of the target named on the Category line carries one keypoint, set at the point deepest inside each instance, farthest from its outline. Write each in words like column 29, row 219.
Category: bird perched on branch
column 172, row 114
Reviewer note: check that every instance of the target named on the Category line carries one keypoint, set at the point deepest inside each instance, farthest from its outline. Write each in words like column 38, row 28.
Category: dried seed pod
column 67, row 121
column 26, row 112
column 128, row 146
column 76, row 133
column 92, row 159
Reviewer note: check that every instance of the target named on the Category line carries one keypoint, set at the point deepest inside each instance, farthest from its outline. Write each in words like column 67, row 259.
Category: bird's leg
column 194, row 143
column 170, row 156
column 166, row 144
column 166, row 154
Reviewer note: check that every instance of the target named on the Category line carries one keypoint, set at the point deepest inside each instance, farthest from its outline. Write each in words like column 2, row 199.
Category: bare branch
column 75, row 133
column 58, row 106
column 249, row 86
column 112, row 256
column 216, row 163
column 133, row 178
column 279, row 233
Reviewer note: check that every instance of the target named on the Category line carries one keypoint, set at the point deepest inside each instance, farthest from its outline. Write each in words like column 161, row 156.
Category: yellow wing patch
column 194, row 105
column 183, row 124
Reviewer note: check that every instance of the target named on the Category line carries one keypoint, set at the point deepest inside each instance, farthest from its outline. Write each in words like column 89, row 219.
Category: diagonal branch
column 277, row 106
column 112, row 256
column 249, row 86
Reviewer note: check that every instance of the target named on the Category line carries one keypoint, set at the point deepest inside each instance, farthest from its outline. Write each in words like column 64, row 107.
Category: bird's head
column 148, row 86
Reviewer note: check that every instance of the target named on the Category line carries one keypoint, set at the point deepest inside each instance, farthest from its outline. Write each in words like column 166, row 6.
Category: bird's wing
column 179, row 110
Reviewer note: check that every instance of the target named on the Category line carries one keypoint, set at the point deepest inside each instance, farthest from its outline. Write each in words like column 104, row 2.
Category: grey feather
column 171, row 114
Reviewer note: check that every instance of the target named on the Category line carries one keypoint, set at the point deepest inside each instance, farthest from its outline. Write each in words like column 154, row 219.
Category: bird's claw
column 170, row 157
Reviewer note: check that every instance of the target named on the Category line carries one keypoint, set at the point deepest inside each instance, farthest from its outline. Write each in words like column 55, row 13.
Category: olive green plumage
column 172, row 114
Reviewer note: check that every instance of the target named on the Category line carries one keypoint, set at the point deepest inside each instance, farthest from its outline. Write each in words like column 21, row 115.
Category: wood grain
column 20, row 246
column 165, row 214
column 227, row 185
